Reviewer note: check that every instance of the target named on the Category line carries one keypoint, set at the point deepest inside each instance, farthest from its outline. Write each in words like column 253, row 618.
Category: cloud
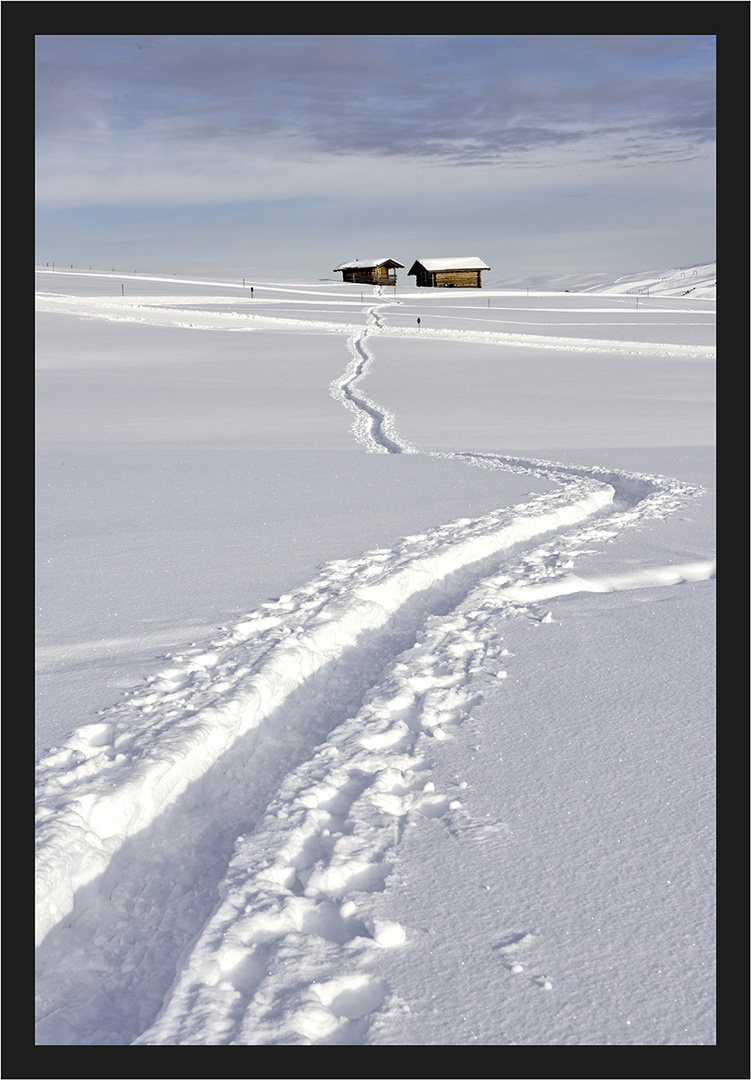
column 456, row 100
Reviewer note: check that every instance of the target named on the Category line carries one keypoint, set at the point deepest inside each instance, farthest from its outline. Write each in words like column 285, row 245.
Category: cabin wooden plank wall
column 377, row 275
column 461, row 279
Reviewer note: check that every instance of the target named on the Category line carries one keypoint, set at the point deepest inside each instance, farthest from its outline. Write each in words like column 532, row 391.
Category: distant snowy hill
column 699, row 281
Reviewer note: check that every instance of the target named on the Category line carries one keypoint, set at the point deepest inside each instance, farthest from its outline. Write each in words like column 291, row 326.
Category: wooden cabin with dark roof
column 370, row 271
column 459, row 272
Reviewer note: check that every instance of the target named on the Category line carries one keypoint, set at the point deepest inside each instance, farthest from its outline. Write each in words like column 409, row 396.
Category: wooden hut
column 462, row 273
column 370, row 271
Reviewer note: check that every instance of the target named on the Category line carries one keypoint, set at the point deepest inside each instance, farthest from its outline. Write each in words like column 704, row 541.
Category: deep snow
column 375, row 662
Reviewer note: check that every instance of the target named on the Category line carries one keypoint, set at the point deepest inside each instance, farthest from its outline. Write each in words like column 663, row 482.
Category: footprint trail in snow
column 210, row 846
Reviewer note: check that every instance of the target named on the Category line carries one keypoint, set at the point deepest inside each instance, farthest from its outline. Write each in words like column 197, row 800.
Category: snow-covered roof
column 367, row 264
column 463, row 262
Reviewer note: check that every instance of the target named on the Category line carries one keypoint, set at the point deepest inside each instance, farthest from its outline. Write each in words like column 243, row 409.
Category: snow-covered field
column 375, row 662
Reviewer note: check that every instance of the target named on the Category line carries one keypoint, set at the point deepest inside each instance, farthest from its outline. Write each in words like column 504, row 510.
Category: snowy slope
column 224, row 855
column 698, row 281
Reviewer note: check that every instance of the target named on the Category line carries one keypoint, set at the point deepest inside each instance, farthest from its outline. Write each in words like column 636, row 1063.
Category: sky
column 281, row 156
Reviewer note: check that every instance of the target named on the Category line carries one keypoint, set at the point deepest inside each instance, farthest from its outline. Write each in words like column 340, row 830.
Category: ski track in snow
column 192, row 313
column 208, row 846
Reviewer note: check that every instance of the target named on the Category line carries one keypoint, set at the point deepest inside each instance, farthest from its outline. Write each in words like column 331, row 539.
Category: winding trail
column 373, row 427
column 208, row 847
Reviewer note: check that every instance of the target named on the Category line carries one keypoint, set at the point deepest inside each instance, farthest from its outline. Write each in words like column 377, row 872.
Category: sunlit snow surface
column 375, row 662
